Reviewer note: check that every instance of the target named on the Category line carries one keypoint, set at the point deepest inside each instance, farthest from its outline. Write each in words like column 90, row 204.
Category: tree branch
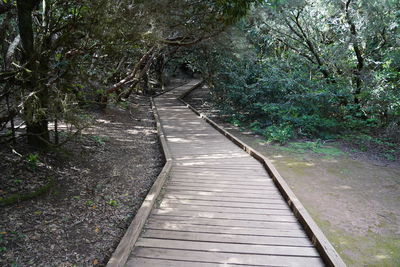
column 6, row 7
column 130, row 77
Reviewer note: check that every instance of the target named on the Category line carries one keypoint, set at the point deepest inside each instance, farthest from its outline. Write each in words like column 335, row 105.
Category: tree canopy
column 286, row 68
column 59, row 55
column 313, row 69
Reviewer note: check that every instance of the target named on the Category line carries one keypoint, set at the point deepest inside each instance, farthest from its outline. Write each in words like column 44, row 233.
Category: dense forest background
column 78, row 144
column 286, row 69
column 318, row 69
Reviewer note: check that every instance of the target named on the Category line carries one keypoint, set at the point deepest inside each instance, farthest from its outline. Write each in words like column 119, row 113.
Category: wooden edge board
column 328, row 253
column 124, row 248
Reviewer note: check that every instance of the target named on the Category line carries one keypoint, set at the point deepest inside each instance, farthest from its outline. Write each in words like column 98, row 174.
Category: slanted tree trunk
column 131, row 77
column 37, row 125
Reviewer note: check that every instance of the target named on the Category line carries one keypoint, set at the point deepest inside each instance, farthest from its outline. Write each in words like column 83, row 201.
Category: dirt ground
column 353, row 196
column 100, row 181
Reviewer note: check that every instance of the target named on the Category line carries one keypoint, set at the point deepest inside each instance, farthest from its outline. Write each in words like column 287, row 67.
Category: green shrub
column 280, row 134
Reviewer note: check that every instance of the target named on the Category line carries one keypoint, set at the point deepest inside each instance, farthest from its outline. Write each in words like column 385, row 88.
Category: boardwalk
column 219, row 206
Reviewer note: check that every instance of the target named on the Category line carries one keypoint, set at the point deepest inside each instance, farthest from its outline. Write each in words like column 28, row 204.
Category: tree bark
column 310, row 46
column 36, row 124
column 130, row 78
column 359, row 55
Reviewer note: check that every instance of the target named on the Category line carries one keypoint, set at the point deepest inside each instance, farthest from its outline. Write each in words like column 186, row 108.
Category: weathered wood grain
column 227, row 258
column 222, row 206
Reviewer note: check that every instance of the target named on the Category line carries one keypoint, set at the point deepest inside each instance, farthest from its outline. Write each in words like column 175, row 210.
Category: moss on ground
column 315, row 147
column 371, row 249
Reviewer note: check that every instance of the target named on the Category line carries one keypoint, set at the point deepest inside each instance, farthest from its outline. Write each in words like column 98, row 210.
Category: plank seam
column 213, row 262
column 205, row 232
column 219, row 225
column 250, row 208
column 230, row 252
column 230, row 219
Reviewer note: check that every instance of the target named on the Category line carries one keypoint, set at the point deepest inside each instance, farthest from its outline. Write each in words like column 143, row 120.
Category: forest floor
column 96, row 183
column 353, row 194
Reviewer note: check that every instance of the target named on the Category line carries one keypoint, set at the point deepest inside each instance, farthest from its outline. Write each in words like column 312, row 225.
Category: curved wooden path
column 219, row 207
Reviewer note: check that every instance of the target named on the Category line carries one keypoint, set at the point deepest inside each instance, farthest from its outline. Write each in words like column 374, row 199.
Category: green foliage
column 89, row 203
column 33, row 161
column 112, row 203
column 100, row 140
column 292, row 70
column 280, row 134
column 390, row 156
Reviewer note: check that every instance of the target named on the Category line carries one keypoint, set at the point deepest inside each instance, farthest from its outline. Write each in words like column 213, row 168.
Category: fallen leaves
column 81, row 219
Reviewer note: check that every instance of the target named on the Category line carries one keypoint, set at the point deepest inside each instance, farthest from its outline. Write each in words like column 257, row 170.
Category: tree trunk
column 37, row 125
column 359, row 55
column 130, row 78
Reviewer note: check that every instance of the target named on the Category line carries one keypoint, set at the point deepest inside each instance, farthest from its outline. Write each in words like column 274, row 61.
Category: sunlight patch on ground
column 382, row 257
column 329, row 160
column 132, row 131
column 214, row 156
column 179, row 140
column 343, row 187
column 103, row 121
column 296, row 164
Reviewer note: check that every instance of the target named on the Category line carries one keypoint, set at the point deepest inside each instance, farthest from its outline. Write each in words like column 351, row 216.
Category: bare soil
column 353, row 195
column 100, row 180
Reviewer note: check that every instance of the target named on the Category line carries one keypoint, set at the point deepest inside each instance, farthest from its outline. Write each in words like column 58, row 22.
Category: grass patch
column 316, row 147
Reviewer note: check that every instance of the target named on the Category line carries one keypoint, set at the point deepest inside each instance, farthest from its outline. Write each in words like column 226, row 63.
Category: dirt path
column 354, row 200
column 101, row 180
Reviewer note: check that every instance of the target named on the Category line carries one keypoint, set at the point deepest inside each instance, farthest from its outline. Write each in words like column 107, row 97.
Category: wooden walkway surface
column 219, row 206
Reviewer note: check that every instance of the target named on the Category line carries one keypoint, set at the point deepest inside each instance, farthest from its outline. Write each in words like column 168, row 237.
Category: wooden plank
column 257, row 206
column 325, row 248
column 224, row 193
column 229, row 238
column 228, row 247
column 225, row 215
column 227, row 258
column 244, row 230
column 150, row 262
column 260, row 191
column 224, row 175
column 190, row 166
column 225, row 222
column 226, row 166
column 205, row 154
column 235, row 179
column 270, row 211
column 238, row 180
column 183, row 195
column 223, row 167
column 220, row 206
column 209, row 174
column 245, row 159
column 214, row 180
column 219, row 185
